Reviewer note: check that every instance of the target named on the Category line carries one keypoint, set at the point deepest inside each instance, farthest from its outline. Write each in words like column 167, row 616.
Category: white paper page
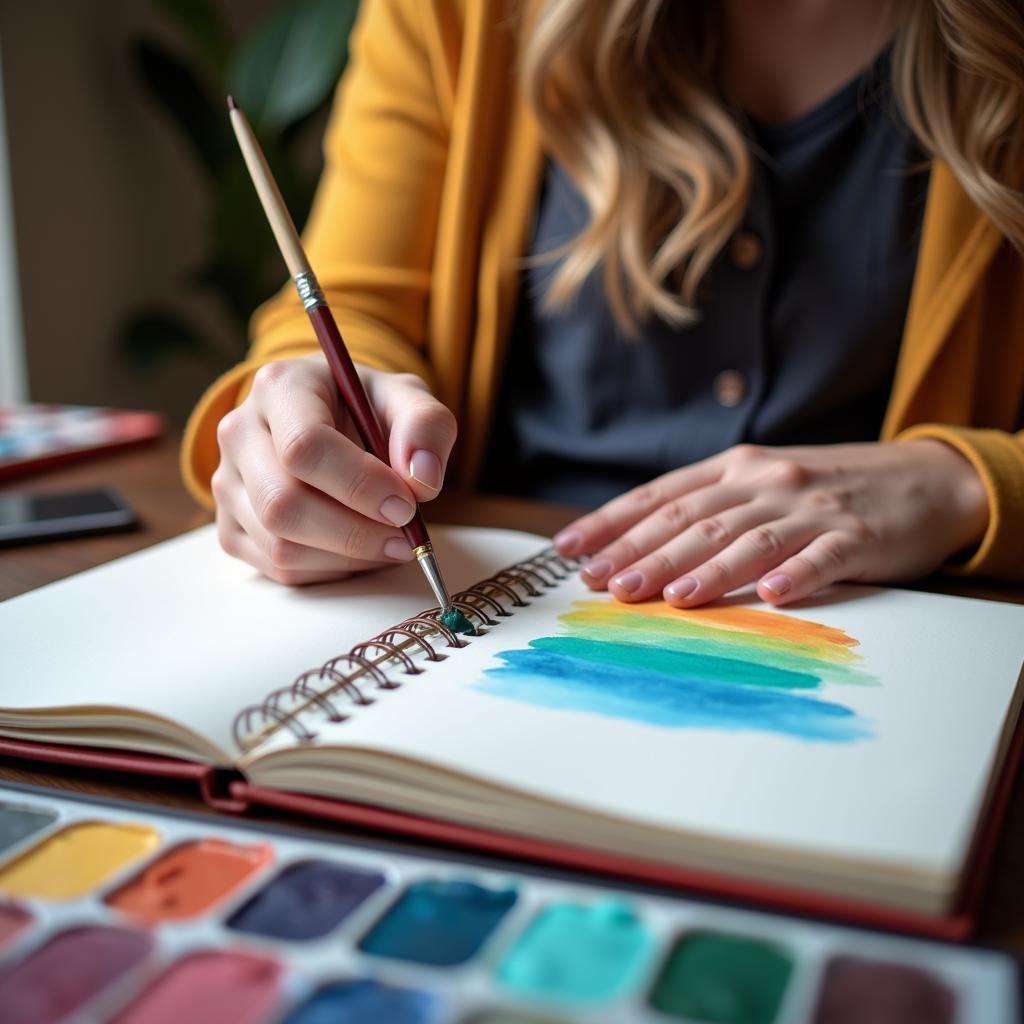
column 185, row 632
column 898, row 775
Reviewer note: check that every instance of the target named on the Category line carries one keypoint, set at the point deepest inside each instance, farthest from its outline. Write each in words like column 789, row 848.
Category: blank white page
column 183, row 631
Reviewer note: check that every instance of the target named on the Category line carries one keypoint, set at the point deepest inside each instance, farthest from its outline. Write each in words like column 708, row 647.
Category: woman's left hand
column 794, row 519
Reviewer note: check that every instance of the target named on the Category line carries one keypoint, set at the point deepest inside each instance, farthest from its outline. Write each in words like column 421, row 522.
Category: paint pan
column 441, row 923
column 77, row 859
column 68, row 970
column 18, row 822
column 362, row 1000
column 13, row 921
column 306, row 901
column 884, row 993
column 578, row 954
column 728, row 979
column 210, row 987
column 187, row 881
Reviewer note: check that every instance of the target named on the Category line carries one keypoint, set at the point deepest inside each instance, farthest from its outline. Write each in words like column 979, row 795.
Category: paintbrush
column 345, row 375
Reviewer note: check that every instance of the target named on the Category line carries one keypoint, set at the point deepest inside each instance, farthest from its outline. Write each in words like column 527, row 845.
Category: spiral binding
column 332, row 692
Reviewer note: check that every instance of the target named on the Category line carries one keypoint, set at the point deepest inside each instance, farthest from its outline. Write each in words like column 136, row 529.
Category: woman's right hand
column 299, row 498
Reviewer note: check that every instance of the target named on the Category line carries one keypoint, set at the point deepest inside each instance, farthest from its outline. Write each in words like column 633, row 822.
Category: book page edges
column 422, row 789
column 114, row 727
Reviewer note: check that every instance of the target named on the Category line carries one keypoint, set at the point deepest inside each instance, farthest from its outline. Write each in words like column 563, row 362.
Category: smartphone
column 26, row 517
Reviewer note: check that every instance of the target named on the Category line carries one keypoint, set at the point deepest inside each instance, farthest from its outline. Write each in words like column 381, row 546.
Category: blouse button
column 746, row 250
column 729, row 387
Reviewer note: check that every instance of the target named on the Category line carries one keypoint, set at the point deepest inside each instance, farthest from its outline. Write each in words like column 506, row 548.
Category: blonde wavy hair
column 624, row 93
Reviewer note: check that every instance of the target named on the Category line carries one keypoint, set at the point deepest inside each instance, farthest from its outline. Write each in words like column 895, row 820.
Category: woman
column 773, row 294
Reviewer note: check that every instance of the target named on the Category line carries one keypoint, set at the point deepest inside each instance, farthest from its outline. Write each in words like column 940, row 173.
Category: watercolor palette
column 120, row 912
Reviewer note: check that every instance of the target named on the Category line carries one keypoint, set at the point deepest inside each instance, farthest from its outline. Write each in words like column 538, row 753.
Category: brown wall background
column 108, row 204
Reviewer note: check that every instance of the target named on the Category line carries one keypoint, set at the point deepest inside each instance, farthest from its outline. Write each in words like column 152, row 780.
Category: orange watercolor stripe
column 617, row 619
column 744, row 620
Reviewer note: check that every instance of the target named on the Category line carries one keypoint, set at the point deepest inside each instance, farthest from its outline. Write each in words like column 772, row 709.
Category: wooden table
column 149, row 479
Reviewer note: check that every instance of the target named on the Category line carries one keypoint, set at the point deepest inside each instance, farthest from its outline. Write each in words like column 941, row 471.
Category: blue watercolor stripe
column 557, row 681
column 640, row 657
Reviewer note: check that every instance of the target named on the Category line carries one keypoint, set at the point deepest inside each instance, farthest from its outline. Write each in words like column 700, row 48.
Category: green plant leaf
column 153, row 336
column 289, row 66
column 183, row 97
column 244, row 265
column 232, row 286
column 204, row 27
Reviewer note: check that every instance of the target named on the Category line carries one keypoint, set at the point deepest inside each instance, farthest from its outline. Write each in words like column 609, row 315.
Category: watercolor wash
column 707, row 668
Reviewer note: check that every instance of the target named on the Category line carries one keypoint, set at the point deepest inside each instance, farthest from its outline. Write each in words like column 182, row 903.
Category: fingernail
column 397, row 511
column 683, row 588
column 778, row 584
column 629, row 581
column 425, row 468
column 598, row 570
column 397, row 549
column 568, row 541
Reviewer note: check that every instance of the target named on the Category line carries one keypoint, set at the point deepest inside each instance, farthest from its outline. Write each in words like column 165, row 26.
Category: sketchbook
column 855, row 749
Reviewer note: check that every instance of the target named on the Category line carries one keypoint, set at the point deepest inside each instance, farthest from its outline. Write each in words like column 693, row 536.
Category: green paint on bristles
column 456, row 621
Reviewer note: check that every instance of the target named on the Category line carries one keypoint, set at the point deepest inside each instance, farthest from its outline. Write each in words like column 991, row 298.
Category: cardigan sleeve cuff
column 998, row 458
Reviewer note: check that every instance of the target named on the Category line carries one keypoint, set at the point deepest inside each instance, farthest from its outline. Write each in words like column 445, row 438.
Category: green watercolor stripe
column 690, row 627
column 682, row 664
column 725, row 645
column 656, row 629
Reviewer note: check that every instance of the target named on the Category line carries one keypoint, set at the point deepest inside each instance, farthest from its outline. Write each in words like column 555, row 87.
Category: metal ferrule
column 425, row 556
column 309, row 290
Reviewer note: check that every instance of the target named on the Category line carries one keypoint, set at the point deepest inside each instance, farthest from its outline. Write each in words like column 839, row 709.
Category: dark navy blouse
column 801, row 318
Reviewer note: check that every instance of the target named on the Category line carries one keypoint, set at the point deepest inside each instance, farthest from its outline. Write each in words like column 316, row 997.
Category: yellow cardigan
column 432, row 172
